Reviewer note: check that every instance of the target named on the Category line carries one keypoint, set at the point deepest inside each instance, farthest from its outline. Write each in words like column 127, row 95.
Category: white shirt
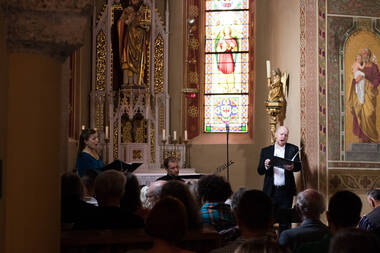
column 279, row 173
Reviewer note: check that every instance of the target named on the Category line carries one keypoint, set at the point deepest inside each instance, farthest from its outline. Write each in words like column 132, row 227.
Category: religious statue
column 277, row 86
column 133, row 32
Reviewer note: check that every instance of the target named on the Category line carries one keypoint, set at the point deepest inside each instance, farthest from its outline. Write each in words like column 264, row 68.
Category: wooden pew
column 115, row 241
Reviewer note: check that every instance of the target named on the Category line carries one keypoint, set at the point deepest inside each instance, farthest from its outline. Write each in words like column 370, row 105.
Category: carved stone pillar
column 40, row 35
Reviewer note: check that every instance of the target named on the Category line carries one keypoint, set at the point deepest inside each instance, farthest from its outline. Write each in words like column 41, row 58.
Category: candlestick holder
column 106, row 140
column 163, row 152
column 186, row 163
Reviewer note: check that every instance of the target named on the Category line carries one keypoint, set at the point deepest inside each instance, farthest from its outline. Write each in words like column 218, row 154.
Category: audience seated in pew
column 73, row 208
column 214, row 191
column 343, row 212
column 354, row 240
column 310, row 204
column 255, row 219
column 131, row 201
column 261, row 246
column 153, row 193
column 371, row 221
column 109, row 188
column 181, row 191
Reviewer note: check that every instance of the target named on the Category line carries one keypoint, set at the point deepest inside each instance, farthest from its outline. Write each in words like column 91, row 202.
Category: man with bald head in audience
column 310, row 205
column 279, row 183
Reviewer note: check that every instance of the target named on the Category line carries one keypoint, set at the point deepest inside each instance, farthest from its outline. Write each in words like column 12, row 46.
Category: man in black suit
column 279, row 183
column 172, row 168
column 310, row 205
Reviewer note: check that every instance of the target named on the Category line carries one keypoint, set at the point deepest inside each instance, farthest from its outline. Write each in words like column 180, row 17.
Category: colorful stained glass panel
column 226, row 109
column 226, row 4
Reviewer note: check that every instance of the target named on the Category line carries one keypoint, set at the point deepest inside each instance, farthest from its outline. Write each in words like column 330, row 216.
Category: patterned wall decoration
column 193, row 67
column 152, row 143
column 337, row 28
column 308, row 76
column 369, row 8
column 115, row 140
column 158, row 64
column 359, row 181
column 322, row 173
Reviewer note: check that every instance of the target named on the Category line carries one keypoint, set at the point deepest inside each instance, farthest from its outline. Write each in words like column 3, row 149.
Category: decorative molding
column 359, row 181
column 158, row 64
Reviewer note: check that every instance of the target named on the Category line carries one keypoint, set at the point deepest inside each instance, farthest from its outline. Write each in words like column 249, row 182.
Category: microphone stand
column 228, row 165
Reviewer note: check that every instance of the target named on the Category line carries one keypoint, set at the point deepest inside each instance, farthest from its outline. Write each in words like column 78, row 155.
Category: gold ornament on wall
column 152, row 144
column 193, row 43
column 193, row 77
column 101, row 48
column 193, row 111
column 137, row 155
column 193, row 11
column 115, row 140
column 158, row 64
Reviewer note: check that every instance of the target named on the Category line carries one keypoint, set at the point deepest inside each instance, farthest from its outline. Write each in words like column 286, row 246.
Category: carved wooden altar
column 134, row 112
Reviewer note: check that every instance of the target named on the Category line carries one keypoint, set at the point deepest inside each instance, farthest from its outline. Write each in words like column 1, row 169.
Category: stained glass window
column 226, row 65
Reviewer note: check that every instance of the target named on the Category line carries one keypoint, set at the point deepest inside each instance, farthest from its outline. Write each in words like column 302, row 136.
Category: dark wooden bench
column 115, row 241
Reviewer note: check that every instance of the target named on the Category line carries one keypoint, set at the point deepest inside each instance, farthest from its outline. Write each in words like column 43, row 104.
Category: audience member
column 233, row 233
column 310, row 205
column 261, row 246
column 214, row 191
column 73, row 208
column 180, row 190
column 109, row 188
column 343, row 212
column 131, row 199
column 167, row 224
column 254, row 215
column 172, row 169
column 371, row 221
column 88, row 180
column 354, row 241
column 154, row 191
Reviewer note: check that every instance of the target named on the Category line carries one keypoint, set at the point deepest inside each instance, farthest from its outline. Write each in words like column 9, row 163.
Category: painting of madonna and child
column 362, row 102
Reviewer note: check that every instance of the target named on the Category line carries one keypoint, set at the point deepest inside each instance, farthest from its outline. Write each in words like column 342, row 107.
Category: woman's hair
column 181, row 191
column 71, row 186
column 213, row 188
column 131, row 199
column 261, row 246
column 84, row 136
column 167, row 220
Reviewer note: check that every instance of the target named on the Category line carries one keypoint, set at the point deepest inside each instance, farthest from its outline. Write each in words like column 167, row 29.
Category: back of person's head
column 193, row 187
column 354, row 240
column 261, row 246
column 167, row 220
column 235, row 198
column 181, row 191
column 131, row 199
column 213, row 188
column 254, row 211
column 109, row 187
column 344, row 209
column 374, row 193
column 84, row 136
column 71, row 186
column 310, row 203
column 88, row 180
column 154, row 192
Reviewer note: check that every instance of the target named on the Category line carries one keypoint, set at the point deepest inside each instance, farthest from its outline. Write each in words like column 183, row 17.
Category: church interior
column 164, row 90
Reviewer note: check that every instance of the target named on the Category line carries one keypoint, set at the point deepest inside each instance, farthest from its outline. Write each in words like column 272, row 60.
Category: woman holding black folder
column 88, row 157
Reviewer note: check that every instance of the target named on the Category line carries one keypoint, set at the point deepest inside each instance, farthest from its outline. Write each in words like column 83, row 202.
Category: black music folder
column 122, row 166
column 280, row 162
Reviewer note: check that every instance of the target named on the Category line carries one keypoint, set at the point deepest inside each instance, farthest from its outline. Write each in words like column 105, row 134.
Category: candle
column 174, row 135
column 107, row 133
column 83, row 127
column 163, row 135
column 185, row 135
column 268, row 69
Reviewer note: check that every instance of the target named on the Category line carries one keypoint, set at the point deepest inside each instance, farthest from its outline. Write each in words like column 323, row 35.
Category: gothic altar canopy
column 129, row 95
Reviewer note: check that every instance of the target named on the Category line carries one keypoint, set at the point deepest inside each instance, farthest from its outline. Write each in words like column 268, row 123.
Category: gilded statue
column 133, row 32
column 277, row 86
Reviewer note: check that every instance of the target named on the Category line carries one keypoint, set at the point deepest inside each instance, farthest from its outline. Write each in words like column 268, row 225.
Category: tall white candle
column 174, row 135
column 107, row 132
column 268, row 69
column 163, row 135
column 185, row 135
